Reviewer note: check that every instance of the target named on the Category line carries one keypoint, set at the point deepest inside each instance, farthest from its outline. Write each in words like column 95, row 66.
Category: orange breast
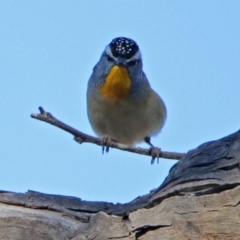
column 117, row 84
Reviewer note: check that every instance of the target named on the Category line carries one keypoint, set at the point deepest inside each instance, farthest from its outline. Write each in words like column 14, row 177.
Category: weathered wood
column 199, row 199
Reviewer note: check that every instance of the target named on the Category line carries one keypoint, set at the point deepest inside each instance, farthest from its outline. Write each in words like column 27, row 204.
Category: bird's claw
column 106, row 144
column 155, row 153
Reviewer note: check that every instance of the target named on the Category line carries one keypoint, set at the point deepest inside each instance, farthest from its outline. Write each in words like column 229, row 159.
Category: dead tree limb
column 199, row 199
column 81, row 137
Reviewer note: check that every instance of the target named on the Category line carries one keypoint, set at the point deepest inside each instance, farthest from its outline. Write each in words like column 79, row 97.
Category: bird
column 121, row 105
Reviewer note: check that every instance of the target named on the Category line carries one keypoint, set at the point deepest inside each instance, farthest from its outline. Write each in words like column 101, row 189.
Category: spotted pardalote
column 120, row 101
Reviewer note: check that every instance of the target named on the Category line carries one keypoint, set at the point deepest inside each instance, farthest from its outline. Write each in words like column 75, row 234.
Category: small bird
column 121, row 104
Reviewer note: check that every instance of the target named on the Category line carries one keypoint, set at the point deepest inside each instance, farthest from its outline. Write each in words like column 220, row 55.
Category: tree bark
column 199, row 199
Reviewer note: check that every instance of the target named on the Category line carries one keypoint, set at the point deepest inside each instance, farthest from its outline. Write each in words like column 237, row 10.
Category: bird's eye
column 110, row 59
column 132, row 63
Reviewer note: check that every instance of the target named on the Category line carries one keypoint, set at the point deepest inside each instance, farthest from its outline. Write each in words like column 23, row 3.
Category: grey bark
column 199, row 199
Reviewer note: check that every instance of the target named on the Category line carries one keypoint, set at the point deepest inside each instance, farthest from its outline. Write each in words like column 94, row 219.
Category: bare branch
column 81, row 137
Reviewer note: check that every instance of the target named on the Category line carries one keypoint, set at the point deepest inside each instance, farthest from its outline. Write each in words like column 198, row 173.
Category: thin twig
column 81, row 137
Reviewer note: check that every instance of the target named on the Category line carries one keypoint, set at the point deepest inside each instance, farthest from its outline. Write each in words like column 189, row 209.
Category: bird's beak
column 121, row 62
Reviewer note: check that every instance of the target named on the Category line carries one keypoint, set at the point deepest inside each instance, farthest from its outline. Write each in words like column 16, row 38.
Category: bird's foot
column 155, row 153
column 148, row 141
column 106, row 143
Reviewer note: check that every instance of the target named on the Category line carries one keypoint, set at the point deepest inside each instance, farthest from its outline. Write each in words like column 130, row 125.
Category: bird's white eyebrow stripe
column 136, row 56
column 109, row 52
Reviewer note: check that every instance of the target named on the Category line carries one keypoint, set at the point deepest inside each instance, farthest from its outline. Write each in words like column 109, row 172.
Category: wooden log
column 199, row 199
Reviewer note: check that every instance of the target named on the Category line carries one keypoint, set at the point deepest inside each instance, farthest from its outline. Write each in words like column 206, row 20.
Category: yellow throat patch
column 117, row 83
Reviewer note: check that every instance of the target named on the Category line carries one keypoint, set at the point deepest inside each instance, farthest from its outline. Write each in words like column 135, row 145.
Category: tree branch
column 81, row 137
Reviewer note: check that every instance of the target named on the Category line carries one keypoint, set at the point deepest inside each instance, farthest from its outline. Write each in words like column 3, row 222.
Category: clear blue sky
column 191, row 54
